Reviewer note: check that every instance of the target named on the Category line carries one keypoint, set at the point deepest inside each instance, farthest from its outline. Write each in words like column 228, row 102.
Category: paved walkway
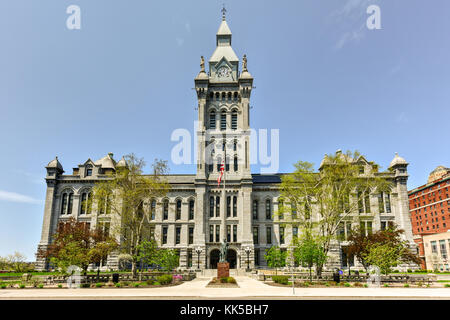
column 248, row 289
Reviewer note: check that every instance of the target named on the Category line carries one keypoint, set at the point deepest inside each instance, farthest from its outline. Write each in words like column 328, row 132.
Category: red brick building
column 429, row 206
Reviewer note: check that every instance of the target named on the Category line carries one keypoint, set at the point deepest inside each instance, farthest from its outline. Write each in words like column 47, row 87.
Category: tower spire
column 224, row 11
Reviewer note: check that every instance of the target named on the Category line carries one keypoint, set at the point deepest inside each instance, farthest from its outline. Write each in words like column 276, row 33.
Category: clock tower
column 223, row 137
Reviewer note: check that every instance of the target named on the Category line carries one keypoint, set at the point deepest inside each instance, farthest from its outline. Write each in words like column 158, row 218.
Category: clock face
column 223, row 72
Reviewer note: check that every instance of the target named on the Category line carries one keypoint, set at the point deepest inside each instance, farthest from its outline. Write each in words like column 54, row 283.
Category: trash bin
column 115, row 277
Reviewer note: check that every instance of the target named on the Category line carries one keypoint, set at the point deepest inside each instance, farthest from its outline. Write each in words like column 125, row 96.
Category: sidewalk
column 248, row 289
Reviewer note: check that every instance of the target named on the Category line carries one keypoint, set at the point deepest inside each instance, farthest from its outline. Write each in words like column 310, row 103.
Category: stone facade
column 198, row 214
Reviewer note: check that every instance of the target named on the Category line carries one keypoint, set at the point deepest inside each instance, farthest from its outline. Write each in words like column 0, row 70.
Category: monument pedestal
column 223, row 270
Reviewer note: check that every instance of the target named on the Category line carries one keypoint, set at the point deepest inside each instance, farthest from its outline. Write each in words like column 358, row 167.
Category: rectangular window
column 234, row 121
column 255, row 210
column 433, row 247
column 228, row 206
column 211, row 207
column 177, row 235
column 234, row 233
column 256, row 235
column 191, row 209
column 228, row 233
column 152, row 210
column 268, row 209
column 295, row 232
column 281, row 235
column 217, row 233
column 217, row 206
column 189, row 258
column 191, row 235
column 234, row 206
column 211, row 233
column 178, row 215
column 164, row 235
column 387, row 198
column 269, row 235
column 443, row 248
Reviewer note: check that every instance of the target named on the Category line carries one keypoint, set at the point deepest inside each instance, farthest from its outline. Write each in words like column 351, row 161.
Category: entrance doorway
column 214, row 258
column 232, row 258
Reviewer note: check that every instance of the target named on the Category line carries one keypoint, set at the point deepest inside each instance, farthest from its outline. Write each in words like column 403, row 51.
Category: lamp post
column 198, row 250
column 247, row 251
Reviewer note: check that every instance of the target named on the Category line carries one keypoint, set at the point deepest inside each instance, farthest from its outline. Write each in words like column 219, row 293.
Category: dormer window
column 88, row 170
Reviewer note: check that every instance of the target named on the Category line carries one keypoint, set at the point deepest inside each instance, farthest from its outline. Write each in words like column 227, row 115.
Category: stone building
column 197, row 214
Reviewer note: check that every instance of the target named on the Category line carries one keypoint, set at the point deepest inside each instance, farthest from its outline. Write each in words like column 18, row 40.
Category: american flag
column 222, row 168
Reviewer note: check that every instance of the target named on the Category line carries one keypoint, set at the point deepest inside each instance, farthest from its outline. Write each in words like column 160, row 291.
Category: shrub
column 231, row 280
column 406, row 285
column 83, row 285
column 177, row 277
column 123, row 284
column 40, row 285
column 156, row 283
column 366, row 285
column 223, row 280
column 327, row 284
column 60, row 286
column 136, row 285
column 420, row 283
column 21, row 286
column 347, row 284
column 447, row 285
column 305, row 284
column 3, row 286
column 149, row 282
column 386, row 285
column 357, row 284
column 99, row 285
column 280, row 279
column 409, row 270
column 118, row 285
column 164, row 279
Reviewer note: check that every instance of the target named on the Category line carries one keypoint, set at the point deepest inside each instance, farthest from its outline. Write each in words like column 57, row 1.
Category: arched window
column 229, row 96
column 211, row 207
column 219, row 163
column 223, row 121
column 234, row 206
column 178, row 213
column 153, row 209
column 235, row 164
column 89, row 203
column 211, row 95
column 227, row 164
column 83, row 203
column 235, row 96
column 212, row 120
column 234, row 120
column 268, row 209
column 191, row 209
column 234, row 145
column 281, row 209
column 166, row 210
column 217, row 96
column 64, row 204
column 70, row 203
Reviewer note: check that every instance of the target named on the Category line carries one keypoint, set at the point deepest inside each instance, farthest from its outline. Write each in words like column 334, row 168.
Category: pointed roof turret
column 122, row 163
column 55, row 164
column 223, row 43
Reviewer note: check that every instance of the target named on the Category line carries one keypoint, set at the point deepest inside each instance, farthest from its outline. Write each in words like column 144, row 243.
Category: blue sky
column 124, row 82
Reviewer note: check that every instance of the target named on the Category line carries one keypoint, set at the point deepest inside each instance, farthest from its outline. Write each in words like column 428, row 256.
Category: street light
column 198, row 250
column 247, row 251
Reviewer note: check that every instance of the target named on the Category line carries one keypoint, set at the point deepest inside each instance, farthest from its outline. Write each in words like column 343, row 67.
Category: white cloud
column 188, row 27
column 350, row 36
column 17, row 197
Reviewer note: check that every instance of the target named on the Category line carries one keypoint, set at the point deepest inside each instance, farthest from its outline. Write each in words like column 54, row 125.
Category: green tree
column 308, row 252
column 148, row 252
column 276, row 258
column 323, row 199
column 168, row 259
column 360, row 244
column 384, row 256
column 126, row 192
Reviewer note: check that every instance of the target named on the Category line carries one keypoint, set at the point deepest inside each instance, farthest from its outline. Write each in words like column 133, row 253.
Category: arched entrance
column 232, row 258
column 214, row 258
